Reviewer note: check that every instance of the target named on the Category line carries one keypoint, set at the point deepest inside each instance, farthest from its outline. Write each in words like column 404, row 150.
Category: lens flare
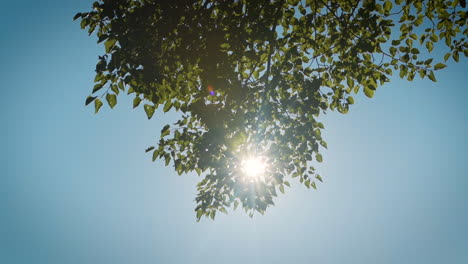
column 211, row 89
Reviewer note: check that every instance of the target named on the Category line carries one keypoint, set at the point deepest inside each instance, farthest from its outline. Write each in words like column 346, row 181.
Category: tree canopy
column 251, row 78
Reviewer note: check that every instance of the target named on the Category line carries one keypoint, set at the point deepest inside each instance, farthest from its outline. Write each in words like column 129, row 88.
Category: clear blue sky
column 76, row 187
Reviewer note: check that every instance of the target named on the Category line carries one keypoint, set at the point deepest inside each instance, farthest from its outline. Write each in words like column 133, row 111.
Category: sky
column 76, row 187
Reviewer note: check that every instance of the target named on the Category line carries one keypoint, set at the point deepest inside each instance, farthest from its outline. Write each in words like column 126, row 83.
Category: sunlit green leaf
column 199, row 214
column 313, row 185
column 439, row 66
column 109, row 44
column 111, row 99
column 136, row 101
column 165, row 131
column 369, row 92
column 167, row 106
column 97, row 105
column 319, row 158
column 318, row 177
column 149, row 109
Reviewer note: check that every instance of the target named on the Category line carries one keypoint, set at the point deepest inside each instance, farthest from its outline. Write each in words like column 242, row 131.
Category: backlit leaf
column 439, row 66
column 165, row 131
column 111, row 100
column 136, row 101
column 109, row 44
column 97, row 105
column 149, row 109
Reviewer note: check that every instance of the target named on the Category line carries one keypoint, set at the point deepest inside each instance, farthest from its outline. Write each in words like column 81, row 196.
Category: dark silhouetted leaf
column 90, row 99
column 149, row 149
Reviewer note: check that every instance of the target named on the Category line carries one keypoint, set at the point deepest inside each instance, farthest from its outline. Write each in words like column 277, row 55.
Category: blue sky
column 76, row 187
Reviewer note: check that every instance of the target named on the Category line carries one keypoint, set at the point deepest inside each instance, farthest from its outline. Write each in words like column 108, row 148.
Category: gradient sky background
column 76, row 187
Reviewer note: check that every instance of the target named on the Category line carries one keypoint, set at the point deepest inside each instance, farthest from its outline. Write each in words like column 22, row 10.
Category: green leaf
column 199, row 214
column 84, row 23
column 149, row 149
column 447, row 56
column 97, row 87
column 350, row 100
column 455, row 56
column 256, row 74
column 369, row 92
column 422, row 73
column 99, row 77
column 136, row 101
column 149, row 109
column 439, row 66
column 114, row 89
column 121, row 86
column 324, row 144
column 432, row 76
column 111, row 100
column 388, row 6
column 167, row 106
column 318, row 178
column 281, row 188
column 429, row 46
column 236, row 204
column 155, row 154
column 109, row 44
column 350, row 82
column 90, row 99
column 78, row 15
column 165, row 131
column 313, row 185
column 414, row 51
column 318, row 157
column 287, row 183
column 97, row 105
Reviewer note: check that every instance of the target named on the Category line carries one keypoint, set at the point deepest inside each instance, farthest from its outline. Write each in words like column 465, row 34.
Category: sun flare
column 254, row 168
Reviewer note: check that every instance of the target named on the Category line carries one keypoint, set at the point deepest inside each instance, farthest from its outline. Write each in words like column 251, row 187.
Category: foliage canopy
column 250, row 78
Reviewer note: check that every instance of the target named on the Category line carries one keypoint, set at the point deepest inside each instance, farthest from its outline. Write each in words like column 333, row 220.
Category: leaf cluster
column 252, row 77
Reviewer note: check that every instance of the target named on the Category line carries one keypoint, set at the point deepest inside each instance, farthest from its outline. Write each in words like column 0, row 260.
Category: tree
column 250, row 78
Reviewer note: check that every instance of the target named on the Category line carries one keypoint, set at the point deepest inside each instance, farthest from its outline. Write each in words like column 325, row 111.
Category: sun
column 254, row 168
